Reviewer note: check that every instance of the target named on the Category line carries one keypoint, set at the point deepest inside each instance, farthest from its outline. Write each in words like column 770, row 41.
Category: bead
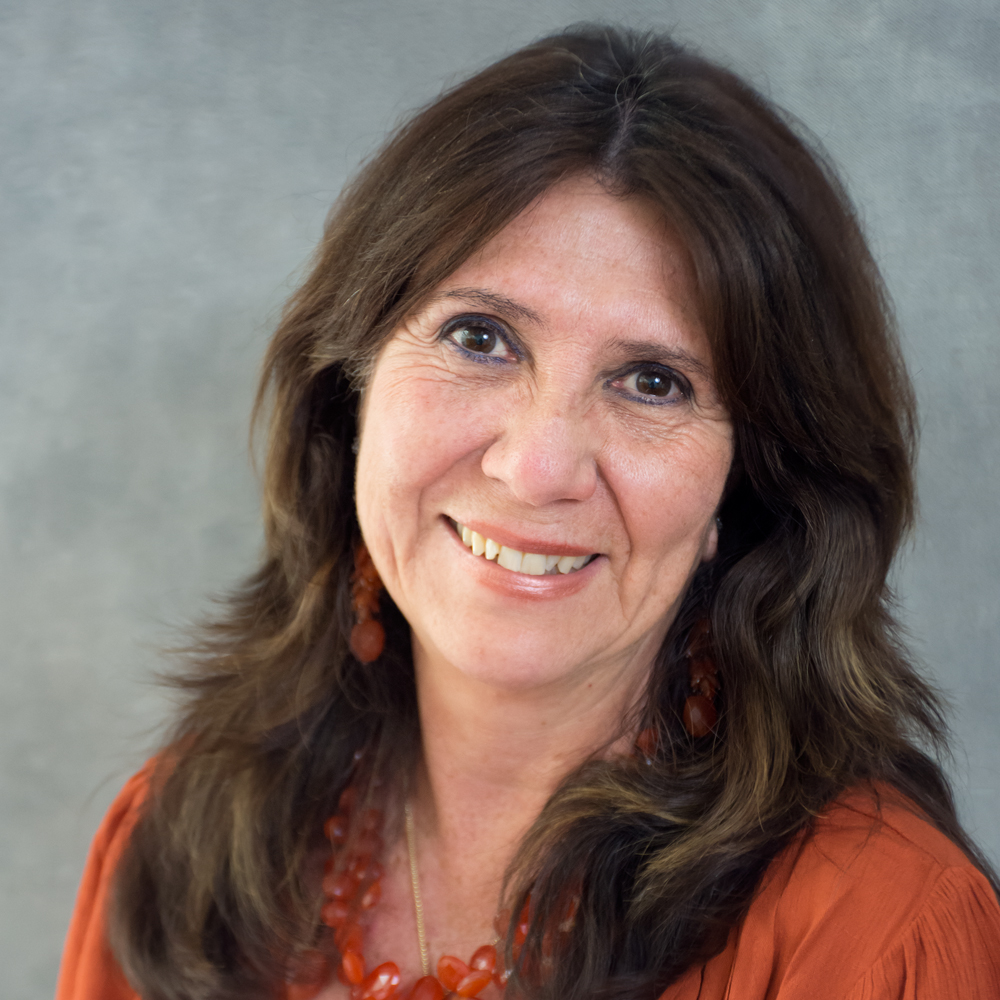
column 363, row 560
column 367, row 641
column 371, row 895
column 472, row 984
column 451, row 971
column 484, row 958
column 340, row 886
column 381, row 982
column 703, row 675
column 427, row 988
column 335, row 829
column 647, row 741
column 357, row 865
column 364, row 868
column 334, row 913
column 364, row 602
column 521, row 930
column 365, row 585
column 699, row 715
column 354, row 967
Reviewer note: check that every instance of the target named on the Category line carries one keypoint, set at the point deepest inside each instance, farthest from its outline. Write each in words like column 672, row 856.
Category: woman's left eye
column 653, row 385
column 478, row 336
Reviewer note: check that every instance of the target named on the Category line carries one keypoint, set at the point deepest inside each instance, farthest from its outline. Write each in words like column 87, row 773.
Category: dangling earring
column 647, row 743
column 367, row 636
column 700, row 715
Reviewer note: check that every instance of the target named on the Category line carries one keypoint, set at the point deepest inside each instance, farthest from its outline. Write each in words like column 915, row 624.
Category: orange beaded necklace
column 353, row 890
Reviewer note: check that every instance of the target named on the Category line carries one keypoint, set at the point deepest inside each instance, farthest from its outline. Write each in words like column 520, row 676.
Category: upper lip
column 513, row 540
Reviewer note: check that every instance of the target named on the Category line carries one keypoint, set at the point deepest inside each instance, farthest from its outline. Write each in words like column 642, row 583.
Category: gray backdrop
column 166, row 167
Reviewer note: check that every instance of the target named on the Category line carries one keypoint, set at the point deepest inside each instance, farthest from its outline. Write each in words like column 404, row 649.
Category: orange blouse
column 871, row 904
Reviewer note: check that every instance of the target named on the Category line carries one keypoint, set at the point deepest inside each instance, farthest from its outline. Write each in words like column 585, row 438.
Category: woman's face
column 555, row 397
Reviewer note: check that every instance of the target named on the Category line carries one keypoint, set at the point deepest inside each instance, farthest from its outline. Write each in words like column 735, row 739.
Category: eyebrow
column 670, row 357
column 493, row 300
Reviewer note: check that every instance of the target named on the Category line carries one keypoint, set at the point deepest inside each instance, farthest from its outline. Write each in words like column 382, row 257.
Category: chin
column 514, row 663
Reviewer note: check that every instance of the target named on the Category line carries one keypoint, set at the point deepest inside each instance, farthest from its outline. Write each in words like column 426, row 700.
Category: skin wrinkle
column 492, row 300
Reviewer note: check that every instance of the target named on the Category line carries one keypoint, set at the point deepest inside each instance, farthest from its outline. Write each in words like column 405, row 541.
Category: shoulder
column 872, row 846
column 871, row 897
column 89, row 970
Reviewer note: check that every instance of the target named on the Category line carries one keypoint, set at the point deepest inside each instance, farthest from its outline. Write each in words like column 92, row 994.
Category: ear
column 711, row 544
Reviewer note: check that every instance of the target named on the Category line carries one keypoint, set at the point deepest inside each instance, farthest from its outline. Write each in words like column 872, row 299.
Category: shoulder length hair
column 213, row 895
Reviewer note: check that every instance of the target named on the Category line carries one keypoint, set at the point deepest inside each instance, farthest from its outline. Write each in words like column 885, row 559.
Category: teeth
column 532, row 563
column 510, row 559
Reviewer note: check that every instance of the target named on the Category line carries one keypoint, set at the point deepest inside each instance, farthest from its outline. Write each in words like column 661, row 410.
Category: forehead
column 581, row 255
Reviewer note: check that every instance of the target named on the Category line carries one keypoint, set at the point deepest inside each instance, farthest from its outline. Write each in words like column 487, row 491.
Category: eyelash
column 682, row 384
column 453, row 326
column 456, row 324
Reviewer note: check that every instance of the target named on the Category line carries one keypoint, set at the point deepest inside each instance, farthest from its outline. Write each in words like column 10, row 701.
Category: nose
column 545, row 453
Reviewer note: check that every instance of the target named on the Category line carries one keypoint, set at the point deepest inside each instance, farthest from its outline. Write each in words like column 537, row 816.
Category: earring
column 367, row 636
column 700, row 715
column 646, row 744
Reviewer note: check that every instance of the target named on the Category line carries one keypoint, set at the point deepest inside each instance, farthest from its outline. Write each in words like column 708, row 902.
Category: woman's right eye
column 478, row 336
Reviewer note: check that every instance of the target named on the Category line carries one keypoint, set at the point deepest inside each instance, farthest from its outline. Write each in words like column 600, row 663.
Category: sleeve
column 89, row 971
column 951, row 948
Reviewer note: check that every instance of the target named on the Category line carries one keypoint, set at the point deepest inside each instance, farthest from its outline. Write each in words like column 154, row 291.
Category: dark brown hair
column 213, row 894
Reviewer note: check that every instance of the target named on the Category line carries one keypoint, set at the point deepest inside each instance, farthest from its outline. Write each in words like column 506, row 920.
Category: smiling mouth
column 532, row 563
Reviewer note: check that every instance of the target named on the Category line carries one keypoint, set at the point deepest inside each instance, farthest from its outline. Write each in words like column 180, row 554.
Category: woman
column 595, row 375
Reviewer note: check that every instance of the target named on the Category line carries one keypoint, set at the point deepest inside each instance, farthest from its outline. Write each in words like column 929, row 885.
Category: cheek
column 418, row 425
column 668, row 492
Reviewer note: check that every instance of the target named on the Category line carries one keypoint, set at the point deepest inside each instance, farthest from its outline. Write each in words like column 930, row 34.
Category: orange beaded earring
column 367, row 636
column 700, row 715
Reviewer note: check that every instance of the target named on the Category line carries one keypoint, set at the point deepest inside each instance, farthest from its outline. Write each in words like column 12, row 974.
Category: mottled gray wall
column 166, row 166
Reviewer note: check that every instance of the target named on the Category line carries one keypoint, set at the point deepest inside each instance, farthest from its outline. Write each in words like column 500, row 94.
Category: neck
column 492, row 757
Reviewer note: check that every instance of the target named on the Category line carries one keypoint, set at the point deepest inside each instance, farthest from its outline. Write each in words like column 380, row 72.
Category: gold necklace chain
column 418, row 906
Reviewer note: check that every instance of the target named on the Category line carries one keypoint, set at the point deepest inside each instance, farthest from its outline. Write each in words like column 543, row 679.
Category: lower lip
column 524, row 585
